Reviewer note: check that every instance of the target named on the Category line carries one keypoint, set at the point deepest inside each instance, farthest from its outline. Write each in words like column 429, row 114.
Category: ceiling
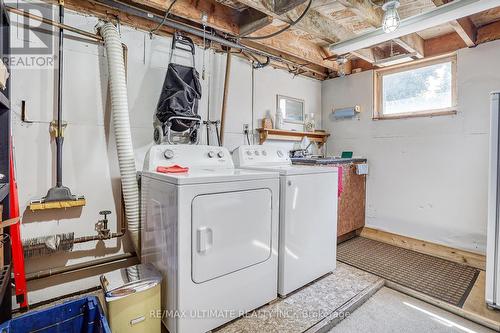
column 324, row 23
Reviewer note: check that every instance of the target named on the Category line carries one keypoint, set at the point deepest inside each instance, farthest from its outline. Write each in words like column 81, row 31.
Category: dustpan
column 59, row 196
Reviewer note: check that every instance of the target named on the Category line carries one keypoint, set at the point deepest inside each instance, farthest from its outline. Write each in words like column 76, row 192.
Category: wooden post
column 224, row 97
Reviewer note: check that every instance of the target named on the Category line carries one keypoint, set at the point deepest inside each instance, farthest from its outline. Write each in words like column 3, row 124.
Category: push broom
column 59, row 196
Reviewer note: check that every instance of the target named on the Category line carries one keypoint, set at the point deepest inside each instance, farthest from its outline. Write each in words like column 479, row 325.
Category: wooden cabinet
column 352, row 200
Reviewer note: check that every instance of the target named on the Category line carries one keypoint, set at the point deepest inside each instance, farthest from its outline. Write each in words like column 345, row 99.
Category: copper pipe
column 224, row 97
column 53, row 23
column 76, row 267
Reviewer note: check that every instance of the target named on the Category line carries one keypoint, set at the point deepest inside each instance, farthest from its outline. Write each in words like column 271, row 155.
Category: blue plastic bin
column 84, row 315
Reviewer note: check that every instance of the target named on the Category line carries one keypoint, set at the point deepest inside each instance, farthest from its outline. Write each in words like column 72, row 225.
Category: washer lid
column 127, row 281
column 212, row 175
column 287, row 170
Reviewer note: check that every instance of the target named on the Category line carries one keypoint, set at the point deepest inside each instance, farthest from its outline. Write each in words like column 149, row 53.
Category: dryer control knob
column 264, row 153
column 211, row 154
column 279, row 153
column 169, row 154
column 257, row 153
column 249, row 152
column 220, row 154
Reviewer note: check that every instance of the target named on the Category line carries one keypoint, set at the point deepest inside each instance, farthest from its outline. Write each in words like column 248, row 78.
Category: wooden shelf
column 276, row 134
column 4, row 190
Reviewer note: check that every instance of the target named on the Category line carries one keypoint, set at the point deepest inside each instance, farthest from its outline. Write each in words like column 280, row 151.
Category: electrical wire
column 276, row 33
column 248, row 138
column 164, row 18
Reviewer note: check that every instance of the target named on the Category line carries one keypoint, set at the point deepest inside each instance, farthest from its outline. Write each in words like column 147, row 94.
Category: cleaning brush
column 39, row 246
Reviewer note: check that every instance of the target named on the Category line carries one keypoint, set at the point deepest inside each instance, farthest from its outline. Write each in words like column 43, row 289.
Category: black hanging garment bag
column 177, row 109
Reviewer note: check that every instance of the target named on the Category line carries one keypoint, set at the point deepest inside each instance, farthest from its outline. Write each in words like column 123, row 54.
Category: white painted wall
column 90, row 161
column 428, row 176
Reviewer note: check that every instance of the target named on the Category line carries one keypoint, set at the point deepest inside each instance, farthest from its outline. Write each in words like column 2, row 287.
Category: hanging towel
column 341, row 186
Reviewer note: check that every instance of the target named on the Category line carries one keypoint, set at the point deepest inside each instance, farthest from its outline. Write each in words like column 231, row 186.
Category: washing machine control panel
column 259, row 155
column 192, row 156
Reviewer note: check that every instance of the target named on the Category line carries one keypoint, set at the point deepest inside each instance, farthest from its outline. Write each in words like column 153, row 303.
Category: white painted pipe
column 121, row 124
column 442, row 14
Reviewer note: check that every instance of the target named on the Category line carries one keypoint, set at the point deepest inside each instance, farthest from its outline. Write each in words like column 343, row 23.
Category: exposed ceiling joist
column 412, row 43
column 283, row 6
column 443, row 44
column 463, row 26
column 488, row 33
column 314, row 23
column 465, row 29
column 219, row 17
column 289, row 43
column 252, row 21
column 451, row 11
column 364, row 9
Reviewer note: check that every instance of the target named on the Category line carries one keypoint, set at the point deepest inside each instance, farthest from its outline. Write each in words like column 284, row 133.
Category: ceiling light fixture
column 391, row 17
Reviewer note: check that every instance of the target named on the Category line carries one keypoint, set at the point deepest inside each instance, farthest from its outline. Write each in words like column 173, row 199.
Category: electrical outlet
column 246, row 128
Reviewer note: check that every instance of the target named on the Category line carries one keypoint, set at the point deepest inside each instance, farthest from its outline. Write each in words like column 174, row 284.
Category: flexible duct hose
column 121, row 124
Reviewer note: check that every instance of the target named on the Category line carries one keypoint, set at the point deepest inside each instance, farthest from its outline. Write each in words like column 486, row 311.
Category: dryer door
column 230, row 231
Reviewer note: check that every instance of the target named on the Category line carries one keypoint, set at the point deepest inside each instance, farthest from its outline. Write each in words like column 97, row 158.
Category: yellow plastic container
column 133, row 299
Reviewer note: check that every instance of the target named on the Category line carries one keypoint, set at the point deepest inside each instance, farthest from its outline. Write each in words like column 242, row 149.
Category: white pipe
column 121, row 124
column 442, row 14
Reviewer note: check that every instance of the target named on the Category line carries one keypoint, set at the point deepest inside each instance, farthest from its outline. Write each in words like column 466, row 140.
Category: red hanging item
column 15, row 236
column 340, row 184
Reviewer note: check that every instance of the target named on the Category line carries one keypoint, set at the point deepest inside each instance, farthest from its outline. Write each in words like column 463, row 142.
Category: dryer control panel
column 260, row 155
column 191, row 156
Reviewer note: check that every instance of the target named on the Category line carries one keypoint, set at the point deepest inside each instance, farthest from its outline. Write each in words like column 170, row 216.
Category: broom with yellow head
column 59, row 196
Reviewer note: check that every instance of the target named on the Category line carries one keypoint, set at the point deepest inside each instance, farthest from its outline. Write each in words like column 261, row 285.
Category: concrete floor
column 390, row 311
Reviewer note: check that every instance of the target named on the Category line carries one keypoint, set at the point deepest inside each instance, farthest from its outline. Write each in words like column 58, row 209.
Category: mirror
column 292, row 109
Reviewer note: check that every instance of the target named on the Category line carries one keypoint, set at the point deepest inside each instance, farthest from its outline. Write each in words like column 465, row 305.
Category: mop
column 59, row 196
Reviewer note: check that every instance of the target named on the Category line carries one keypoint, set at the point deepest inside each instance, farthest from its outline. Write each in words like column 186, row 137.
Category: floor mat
column 439, row 278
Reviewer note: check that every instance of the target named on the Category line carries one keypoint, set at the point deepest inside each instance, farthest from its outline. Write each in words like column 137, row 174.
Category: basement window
column 423, row 88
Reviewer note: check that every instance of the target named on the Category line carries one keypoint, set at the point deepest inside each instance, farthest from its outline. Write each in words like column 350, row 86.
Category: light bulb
column 391, row 16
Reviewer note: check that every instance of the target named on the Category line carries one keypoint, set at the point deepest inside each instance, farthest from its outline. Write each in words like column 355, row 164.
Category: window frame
column 378, row 74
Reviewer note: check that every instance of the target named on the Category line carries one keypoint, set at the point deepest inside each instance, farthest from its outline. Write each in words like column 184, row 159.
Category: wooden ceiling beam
column 365, row 10
column 443, row 44
column 313, row 23
column 466, row 29
column 488, row 33
column 252, row 20
column 412, row 43
column 463, row 26
column 283, row 6
column 226, row 19
column 289, row 43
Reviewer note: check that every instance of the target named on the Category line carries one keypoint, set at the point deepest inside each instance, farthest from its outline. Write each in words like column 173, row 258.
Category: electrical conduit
column 121, row 124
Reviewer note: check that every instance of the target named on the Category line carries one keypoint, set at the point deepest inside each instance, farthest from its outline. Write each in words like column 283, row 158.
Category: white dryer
column 308, row 214
column 213, row 234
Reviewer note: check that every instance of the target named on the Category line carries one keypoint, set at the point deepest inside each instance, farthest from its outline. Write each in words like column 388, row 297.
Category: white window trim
column 377, row 88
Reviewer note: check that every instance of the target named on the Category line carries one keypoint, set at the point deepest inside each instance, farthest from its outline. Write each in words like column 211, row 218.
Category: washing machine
column 308, row 214
column 212, row 230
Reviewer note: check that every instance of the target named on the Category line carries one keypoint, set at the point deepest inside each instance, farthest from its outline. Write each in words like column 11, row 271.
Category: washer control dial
column 249, row 152
column 264, row 153
column 279, row 153
column 169, row 154
column 220, row 154
column 211, row 154
column 257, row 153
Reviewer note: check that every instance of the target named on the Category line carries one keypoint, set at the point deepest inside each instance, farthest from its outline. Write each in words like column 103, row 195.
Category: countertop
column 327, row 160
